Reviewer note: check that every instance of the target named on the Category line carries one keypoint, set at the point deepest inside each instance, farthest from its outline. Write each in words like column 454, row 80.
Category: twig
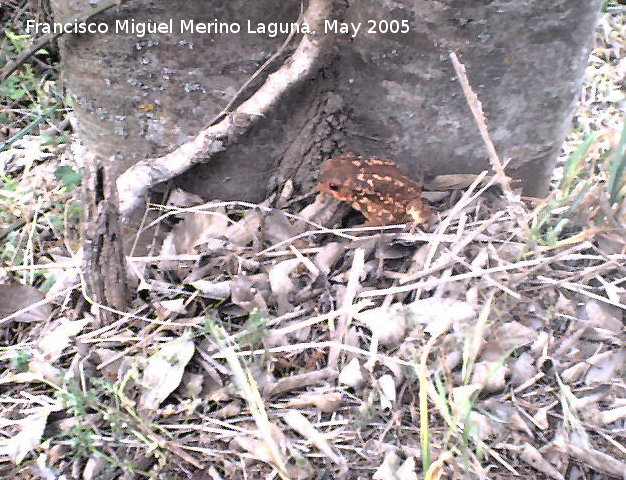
column 135, row 182
column 226, row 110
column 298, row 347
column 456, row 278
column 345, row 318
column 581, row 291
column 38, row 304
column 481, row 123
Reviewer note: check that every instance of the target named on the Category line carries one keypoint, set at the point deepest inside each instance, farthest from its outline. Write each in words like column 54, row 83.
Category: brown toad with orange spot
column 377, row 188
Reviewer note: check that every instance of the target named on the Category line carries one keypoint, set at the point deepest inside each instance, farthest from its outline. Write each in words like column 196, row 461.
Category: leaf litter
column 318, row 350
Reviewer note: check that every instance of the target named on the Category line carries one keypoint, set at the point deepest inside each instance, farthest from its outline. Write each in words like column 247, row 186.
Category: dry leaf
column 50, row 374
column 67, row 277
column 438, row 314
column 230, row 410
column 300, row 424
column 613, row 415
column 603, row 316
column 277, row 227
column 599, row 461
column 523, row 369
column 606, row 366
column 533, row 457
column 281, row 284
column 209, row 473
column 490, row 375
column 328, row 255
column 389, row 325
column 389, row 251
column 390, row 468
column 94, row 467
column 575, row 372
column 436, row 470
column 256, row 448
column 29, row 437
column 462, row 397
column 192, row 384
column 183, row 199
column 324, row 210
column 407, row 470
column 483, row 427
column 327, row 402
column 164, row 371
column 246, row 295
column 387, row 392
column 352, row 374
column 507, row 336
column 17, row 297
column 52, row 344
column 214, row 290
column 294, row 382
column 517, row 422
column 246, row 229
column 196, row 228
column 169, row 308
column 540, row 418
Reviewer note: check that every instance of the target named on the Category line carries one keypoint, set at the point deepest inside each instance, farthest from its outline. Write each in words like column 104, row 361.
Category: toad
column 377, row 188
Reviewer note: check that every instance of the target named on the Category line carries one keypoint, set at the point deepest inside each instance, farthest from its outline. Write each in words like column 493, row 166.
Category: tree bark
column 104, row 263
column 387, row 94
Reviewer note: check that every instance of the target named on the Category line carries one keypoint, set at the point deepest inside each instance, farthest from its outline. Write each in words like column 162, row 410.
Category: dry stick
column 298, row 347
column 578, row 289
column 135, row 182
column 501, row 177
column 490, row 281
column 456, row 278
column 465, row 200
column 226, row 110
column 454, row 250
column 344, row 319
column 481, row 123
column 320, row 228
column 50, row 36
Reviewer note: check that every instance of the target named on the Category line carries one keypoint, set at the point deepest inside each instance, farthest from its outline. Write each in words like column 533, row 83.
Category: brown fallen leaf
column 21, row 302
column 533, row 457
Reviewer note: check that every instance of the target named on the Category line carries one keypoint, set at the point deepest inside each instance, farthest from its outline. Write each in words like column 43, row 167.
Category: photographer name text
column 270, row 29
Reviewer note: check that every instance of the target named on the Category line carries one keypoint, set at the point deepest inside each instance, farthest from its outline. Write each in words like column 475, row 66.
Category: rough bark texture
column 524, row 59
column 238, row 117
column 393, row 95
column 104, row 263
column 141, row 97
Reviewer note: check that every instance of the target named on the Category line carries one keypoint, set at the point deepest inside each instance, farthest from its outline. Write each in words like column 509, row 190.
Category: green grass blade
column 28, row 128
column 575, row 163
column 616, row 170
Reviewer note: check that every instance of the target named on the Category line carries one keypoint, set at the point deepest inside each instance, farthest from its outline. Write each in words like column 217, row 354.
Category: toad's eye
column 334, row 186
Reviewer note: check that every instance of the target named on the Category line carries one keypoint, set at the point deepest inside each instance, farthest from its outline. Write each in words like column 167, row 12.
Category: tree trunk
column 392, row 94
